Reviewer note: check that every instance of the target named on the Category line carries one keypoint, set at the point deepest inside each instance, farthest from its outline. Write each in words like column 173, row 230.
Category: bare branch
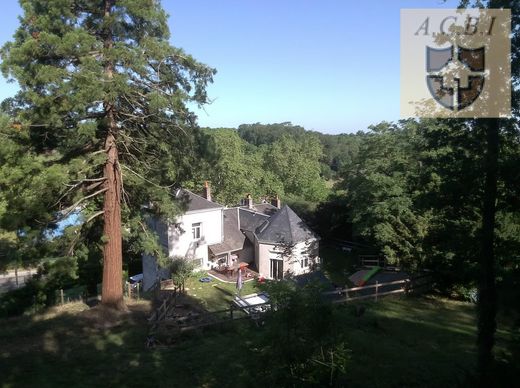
column 75, row 205
column 146, row 180
column 79, row 183
column 96, row 214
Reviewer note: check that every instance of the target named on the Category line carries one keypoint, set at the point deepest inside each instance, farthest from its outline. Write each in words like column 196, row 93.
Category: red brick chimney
column 207, row 191
column 275, row 201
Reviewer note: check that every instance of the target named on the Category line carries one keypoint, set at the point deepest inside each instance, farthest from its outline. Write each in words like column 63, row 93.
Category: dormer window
column 196, row 230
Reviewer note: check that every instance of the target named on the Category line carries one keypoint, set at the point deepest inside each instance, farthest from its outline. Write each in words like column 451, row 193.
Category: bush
column 301, row 344
column 41, row 290
column 28, row 299
column 181, row 270
column 465, row 293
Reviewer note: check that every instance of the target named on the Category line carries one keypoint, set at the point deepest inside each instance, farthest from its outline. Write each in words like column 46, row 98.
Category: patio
column 229, row 274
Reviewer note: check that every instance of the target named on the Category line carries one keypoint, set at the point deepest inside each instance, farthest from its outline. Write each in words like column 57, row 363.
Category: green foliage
column 300, row 345
column 260, row 134
column 338, row 150
column 414, row 192
column 181, row 270
column 77, row 68
column 234, row 168
column 41, row 290
column 28, row 299
column 382, row 189
column 333, row 217
column 289, row 166
column 296, row 163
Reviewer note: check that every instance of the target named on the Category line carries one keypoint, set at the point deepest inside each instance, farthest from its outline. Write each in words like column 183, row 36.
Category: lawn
column 424, row 342
column 216, row 295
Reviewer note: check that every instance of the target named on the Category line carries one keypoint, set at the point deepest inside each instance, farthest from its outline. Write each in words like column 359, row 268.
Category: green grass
column 421, row 342
column 216, row 295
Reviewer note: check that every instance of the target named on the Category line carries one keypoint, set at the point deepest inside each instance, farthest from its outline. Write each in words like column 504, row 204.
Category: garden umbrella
column 239, row 280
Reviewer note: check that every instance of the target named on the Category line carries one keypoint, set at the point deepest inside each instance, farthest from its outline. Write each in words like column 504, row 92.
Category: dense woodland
column 100, row 129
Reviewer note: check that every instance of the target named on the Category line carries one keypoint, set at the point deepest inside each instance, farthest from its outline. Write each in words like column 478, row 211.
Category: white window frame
column 279, row 273
column 196, row 226
column 304, row 262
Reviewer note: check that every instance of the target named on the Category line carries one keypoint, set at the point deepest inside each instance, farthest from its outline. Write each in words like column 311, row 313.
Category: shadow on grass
column 77, row 350
column 395, row 342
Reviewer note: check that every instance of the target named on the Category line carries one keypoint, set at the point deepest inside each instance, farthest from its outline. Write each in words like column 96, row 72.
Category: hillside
column 398, row 342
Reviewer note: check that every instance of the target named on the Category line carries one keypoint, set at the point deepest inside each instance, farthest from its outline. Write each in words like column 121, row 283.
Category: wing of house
column 188, row 236
column 285, row 245
column 273, row 240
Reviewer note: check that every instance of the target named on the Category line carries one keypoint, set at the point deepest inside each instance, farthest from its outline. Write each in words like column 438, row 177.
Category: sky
column 328, row 65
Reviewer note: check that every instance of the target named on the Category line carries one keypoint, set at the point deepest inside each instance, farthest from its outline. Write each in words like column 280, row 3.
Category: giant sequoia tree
column 103, row 96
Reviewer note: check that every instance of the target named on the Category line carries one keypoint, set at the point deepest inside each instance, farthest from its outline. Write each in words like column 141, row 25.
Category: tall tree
column 383, row 187
column 296, row 161
column 493, row 128
column 234, row 167
column 104, row 93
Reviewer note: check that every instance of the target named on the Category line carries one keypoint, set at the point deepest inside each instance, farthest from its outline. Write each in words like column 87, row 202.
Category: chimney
column 275, row 201
column 249, row 201
column 207, row 191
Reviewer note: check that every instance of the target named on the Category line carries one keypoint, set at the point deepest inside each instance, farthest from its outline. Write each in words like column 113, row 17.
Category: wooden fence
column 416, row 285
column 372, row 261
column 164, row 316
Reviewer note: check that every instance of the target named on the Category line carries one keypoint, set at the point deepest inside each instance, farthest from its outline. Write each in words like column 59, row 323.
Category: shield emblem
column 455, row 75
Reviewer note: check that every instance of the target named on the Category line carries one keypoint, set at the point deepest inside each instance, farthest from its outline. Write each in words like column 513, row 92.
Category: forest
column 100, row 136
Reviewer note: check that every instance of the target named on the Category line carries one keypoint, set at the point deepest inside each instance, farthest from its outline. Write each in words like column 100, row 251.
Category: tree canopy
column 103, row 97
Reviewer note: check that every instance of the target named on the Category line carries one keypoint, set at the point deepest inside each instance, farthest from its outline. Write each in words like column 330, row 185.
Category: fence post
column 231, row 312
column 137, row 289
column 377, row 289
column 407, row 286
column 61, row 296
column 129, row 290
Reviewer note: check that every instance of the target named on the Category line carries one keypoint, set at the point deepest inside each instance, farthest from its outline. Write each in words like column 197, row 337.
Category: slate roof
column 233, row 238
column 284, row 226
column 250, row 220
column 264, row 208
column 195, row 202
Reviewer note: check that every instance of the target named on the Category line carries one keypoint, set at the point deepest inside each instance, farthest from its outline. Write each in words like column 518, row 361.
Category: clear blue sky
column 328, row 65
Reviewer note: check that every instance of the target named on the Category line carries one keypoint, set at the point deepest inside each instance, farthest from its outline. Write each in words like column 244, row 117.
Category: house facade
column 271, row 238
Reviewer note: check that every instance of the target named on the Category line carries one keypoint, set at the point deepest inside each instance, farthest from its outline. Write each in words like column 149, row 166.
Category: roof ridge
column 200, row 196
column 254, row 211
column 293, row 237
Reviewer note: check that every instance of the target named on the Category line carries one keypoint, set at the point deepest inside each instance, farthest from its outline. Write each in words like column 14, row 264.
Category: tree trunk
column 487, row 287
column 112, row 291
column 112, row 294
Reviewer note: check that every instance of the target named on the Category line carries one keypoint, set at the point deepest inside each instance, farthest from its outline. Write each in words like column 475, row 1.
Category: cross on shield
column 455, row 75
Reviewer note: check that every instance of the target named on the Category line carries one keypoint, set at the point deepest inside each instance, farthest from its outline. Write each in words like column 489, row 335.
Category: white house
column 272, row 239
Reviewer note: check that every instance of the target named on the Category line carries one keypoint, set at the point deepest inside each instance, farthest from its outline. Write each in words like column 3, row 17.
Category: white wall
column 151, row 272
column 291, row 264
column 180, row 238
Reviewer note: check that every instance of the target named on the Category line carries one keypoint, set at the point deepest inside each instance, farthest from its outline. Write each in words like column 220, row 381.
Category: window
column 196, row 230
column 276, row 269
column 304, row 263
